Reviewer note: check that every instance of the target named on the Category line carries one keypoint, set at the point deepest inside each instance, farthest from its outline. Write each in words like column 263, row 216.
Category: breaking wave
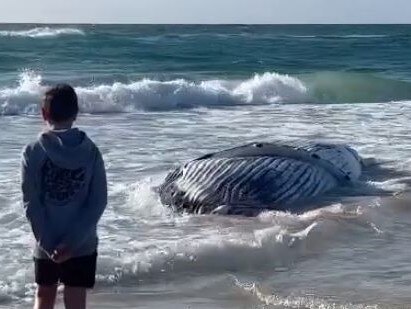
column 42, row 32
column 155, row 95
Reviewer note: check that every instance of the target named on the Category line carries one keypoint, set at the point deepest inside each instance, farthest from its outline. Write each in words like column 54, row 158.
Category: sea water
column 154, row 96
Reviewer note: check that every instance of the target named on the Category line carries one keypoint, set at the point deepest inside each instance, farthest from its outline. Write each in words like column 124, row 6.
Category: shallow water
column 276, row 260
column 352, row 253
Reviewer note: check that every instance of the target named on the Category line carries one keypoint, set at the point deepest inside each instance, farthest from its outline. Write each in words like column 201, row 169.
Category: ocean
column 154, row 96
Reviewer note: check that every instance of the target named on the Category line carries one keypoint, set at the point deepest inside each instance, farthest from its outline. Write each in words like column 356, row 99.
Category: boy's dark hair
column 61, row 103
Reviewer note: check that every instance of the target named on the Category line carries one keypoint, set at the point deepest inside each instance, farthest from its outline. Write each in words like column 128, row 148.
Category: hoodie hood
column 69, row 149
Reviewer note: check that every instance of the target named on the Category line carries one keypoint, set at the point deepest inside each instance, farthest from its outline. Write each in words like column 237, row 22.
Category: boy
column 64, row 194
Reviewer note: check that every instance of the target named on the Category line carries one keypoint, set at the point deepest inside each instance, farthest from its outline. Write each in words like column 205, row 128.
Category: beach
column 153, row 97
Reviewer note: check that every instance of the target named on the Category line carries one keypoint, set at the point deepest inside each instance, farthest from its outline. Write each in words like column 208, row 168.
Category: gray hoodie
column 64, row 191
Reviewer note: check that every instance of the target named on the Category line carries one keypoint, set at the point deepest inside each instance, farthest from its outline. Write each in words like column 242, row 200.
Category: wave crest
column 268, row 88
column 41, row 32
column 148, row 94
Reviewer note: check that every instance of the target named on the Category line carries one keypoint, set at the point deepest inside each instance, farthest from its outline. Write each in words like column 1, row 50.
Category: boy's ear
column 45, row 114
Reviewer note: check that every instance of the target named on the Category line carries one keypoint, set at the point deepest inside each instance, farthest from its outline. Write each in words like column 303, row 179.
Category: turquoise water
column 334, row 64
column 207, row 51
column 156, row 96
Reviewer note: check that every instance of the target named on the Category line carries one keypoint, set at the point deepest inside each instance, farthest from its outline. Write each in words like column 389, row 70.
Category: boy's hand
column 61, row 254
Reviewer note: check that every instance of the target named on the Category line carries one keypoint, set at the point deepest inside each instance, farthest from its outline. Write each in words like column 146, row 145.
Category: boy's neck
column 61, row 126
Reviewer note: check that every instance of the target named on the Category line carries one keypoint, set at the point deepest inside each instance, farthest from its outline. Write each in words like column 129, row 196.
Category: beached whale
column 259, row 176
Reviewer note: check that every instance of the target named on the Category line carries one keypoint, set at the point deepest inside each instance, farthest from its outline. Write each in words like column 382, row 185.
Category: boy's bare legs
column 45, row 297
column 75, row 298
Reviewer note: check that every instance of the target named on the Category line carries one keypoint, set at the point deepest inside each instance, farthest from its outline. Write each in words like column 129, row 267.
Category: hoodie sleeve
column 34, row 209
column 93, row 209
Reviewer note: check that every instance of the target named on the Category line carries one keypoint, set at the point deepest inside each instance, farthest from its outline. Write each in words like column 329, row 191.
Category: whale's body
column 259, row 176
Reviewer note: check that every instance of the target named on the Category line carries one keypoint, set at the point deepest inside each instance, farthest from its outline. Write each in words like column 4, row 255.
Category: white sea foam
column 42, row 32
column 295, row 301
column 228, row 248
column 23, row 99
column 260, row 89
column 148, row 94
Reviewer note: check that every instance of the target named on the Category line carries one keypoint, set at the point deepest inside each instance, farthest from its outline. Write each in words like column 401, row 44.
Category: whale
column 256, row 177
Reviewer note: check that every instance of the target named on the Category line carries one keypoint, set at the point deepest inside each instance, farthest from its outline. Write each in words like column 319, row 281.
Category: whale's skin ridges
column 261, row 176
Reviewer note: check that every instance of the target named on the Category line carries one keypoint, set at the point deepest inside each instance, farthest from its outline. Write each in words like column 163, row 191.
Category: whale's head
column 354, row 162
column 345, row 159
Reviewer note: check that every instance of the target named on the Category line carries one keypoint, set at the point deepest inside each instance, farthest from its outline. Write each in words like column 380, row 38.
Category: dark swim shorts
column 75, row 272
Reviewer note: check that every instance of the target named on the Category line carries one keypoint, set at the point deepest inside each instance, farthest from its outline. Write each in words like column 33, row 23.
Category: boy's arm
column 34, row 209
column 91, row 213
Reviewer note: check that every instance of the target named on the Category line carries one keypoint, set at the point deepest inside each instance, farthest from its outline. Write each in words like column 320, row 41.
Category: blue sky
column 206, row 11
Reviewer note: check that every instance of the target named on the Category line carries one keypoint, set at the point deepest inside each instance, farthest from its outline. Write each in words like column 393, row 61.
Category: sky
column 206, row 11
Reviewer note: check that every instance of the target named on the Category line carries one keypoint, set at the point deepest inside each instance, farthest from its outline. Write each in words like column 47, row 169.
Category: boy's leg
column 45, row 297
column 77, row 275
column 75, row 298
column 46, row 274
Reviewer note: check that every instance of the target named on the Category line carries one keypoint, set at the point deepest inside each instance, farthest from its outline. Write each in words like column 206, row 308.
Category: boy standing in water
column 64, row 193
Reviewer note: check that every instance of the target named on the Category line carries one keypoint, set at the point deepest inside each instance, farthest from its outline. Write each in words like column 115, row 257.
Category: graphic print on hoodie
column 61, row 184
column 64, row 191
